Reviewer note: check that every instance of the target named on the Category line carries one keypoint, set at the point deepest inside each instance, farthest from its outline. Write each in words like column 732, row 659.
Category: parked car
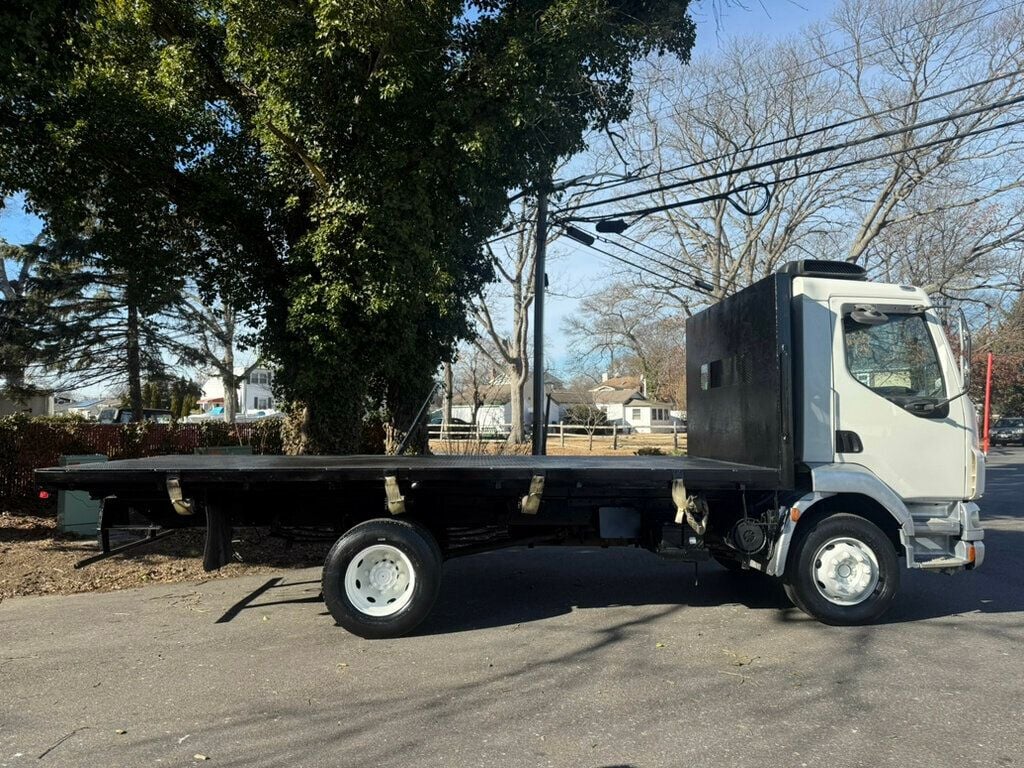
column 1007, row 431
column 457, row 429
column 125, row 416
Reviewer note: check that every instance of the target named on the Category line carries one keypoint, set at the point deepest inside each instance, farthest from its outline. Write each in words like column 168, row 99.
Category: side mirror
column 964, row 332
column 867, row 314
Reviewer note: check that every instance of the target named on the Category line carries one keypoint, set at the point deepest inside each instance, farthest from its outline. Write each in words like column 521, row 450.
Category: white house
column 40, row 404
column 494, row 403
column 255, row 393
column 624, row 402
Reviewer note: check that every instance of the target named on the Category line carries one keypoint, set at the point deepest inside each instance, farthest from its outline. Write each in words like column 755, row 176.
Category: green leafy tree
column 97, row 321
column 337, row 164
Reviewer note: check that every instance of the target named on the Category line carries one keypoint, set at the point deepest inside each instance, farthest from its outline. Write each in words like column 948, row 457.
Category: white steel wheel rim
column 845, row 571
column 379, row 580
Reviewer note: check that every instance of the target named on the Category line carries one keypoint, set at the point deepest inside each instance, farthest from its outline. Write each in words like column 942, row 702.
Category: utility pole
column 538, row 319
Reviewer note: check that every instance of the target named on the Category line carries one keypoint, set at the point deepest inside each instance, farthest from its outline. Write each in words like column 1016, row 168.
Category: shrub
column 28, row 443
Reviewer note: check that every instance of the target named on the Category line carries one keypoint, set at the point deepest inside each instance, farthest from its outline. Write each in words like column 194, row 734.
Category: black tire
column 421, row 552
column 802, row 584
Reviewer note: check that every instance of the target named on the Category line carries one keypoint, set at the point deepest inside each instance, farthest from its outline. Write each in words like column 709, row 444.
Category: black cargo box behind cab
column 739, row 379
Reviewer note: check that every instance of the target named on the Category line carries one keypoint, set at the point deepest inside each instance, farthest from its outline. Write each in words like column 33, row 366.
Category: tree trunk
column 134, row 360
column 449, row 385
column 230, row 385
column 310, row 430
column 518, row 374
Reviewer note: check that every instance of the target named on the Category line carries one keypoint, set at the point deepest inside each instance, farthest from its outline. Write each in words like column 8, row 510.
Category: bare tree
column 709, row 120
column 510, row 299
column 903, row 52
column 473, row 371
column 514, row 260
column 636, row 330
column 209, row 340
column 753, row 104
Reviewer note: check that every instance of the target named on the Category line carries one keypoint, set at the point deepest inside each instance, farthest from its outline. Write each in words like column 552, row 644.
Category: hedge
column 29, row 443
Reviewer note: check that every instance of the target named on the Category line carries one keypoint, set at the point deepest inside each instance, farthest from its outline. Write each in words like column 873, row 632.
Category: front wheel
column 382, row 577
column 843, row 571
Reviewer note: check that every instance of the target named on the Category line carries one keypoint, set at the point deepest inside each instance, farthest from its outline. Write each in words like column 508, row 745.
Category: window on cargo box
column 896, row 359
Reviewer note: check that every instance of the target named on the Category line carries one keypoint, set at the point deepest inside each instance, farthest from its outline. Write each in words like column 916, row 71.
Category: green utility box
column 224, row 450
column 76, row 512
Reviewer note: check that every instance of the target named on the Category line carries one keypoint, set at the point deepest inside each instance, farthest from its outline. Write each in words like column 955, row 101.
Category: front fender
column 829, row 480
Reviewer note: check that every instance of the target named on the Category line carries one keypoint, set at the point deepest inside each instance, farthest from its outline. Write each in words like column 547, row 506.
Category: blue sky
column 573, row 270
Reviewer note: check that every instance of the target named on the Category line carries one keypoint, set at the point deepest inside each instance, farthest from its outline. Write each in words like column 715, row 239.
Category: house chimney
column 604, row 376
column 643, row 385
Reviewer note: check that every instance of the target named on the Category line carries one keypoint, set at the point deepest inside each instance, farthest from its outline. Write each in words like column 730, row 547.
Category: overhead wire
column 787, row 71
column 796, row 156
column 671, row 281
column 831, row 126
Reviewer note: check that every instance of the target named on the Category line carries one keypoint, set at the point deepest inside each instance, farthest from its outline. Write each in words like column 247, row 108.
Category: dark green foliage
column 331, row 168
column 29, row 443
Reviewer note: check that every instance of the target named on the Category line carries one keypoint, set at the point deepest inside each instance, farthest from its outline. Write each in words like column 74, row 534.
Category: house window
column 636, row 414
column 260, row 403
column 260, row 377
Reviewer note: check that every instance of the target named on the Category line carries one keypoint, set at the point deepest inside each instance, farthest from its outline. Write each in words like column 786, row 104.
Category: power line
column 853, row 47
column 696, row 280
column 506, row 235
column 636, row 214
column 730, row 282
column 786, row 71
column 893, row 153
column 800, row 156
column 673, row 283
column 832, row 126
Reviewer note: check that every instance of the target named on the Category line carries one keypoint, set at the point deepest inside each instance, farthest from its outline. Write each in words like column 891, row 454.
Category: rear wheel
column 842, row 570
column 382, row 577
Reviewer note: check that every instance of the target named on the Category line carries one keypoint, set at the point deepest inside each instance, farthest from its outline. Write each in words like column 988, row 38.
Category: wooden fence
column 562, row 439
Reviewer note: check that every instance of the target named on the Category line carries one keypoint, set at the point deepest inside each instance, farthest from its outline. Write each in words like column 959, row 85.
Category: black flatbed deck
column 632, row 471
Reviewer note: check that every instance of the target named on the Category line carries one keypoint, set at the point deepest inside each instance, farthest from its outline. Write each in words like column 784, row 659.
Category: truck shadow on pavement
column 517, row 586
column 511, row 587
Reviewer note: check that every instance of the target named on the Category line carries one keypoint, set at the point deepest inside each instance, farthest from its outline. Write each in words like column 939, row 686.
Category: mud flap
column 217, row 552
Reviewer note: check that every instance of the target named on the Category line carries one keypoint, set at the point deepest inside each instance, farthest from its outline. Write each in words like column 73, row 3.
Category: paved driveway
column 531, row 658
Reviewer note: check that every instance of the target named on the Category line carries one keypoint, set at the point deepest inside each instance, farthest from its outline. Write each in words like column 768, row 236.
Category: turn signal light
column 971, row 554
column 794, row 514
column 44, row 494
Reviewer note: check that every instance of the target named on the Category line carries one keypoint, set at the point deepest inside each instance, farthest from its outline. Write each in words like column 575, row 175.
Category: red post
column 988, row 402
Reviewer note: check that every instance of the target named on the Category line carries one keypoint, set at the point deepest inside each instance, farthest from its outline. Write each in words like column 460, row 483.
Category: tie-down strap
column 396, row 501
column 531, row 501
column 692, row 509
column 181, row 505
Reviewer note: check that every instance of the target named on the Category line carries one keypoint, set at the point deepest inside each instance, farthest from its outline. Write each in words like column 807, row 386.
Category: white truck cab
column 883, row 421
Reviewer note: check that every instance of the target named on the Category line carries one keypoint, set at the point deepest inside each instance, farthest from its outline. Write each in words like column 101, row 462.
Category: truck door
column 892, row 370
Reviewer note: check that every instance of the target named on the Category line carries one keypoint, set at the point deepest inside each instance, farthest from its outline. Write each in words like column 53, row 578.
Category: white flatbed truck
column 829, row 439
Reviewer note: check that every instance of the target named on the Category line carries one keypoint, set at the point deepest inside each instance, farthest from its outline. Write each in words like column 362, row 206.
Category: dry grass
column 573, row 445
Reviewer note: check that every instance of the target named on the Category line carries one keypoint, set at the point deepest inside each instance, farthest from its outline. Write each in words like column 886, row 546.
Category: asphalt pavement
column 590, row 658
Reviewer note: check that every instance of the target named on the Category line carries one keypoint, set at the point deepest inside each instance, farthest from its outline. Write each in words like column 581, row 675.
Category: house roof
column 619, row 382
column 649, row 404
column 570, row 397
column 489, row 394
column 607, row 397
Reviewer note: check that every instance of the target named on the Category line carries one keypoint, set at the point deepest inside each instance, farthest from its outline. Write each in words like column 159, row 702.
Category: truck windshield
column 896, row 359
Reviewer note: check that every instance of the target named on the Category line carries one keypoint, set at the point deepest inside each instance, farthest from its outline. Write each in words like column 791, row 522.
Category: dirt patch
column 36, row 559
